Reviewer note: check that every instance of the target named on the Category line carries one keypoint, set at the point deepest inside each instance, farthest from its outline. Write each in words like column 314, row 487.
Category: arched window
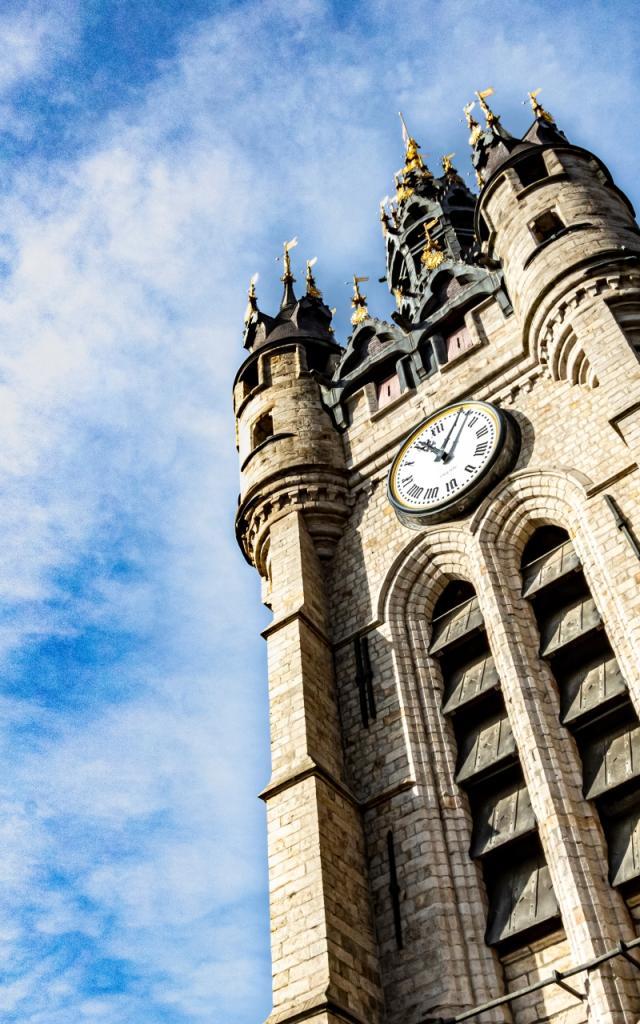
column 504, row 839
column 594, row 700
column 262, row 429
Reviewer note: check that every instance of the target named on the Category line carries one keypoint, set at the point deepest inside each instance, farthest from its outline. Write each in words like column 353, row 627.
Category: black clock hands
column 448, row 454
column 429, row 446
column 444, row 455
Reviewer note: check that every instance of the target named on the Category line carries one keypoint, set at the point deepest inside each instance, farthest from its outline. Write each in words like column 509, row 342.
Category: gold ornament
column 359, row 302
column 252, row 304
column 312, row 288
column 538, row 109
column 432, row 254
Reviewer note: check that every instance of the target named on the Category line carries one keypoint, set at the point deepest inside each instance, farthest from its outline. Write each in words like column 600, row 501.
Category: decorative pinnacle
column 538, row 109
column 413, row 164
column 384, row 216
column 474, row 127
column 287, row 277
column 252, row 304
column 491, row 118
column 359, row 302
column 312, row 288
column 432, row 254
column 288, row 280
column 447, row 166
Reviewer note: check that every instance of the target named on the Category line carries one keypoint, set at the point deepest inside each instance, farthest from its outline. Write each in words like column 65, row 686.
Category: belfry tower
column 445, row 514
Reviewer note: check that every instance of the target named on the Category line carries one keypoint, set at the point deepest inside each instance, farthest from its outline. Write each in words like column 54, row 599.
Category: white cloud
column 131, row 824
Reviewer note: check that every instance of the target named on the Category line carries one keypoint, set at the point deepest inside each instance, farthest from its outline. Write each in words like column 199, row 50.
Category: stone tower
column 445, row 515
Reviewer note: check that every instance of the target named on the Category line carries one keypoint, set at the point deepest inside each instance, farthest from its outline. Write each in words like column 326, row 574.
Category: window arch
column 594, row 700
column 504, row 837
column 262, row 429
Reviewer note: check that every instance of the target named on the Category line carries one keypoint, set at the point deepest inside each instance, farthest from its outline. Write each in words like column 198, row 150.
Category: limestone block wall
column 401, row 765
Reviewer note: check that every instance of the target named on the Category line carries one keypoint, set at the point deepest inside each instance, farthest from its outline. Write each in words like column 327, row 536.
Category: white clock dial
column 447, row 458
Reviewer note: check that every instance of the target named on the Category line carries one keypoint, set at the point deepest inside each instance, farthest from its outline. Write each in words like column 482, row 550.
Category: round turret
column 290, row 453
column 547, row 212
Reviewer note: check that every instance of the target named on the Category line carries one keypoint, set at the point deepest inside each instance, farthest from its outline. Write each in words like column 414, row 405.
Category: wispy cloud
column 134, row 708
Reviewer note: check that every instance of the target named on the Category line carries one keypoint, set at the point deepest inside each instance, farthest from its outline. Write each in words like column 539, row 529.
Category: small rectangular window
column 531, row 169
column 457, row 341
column 546, row 226
column 387, row 390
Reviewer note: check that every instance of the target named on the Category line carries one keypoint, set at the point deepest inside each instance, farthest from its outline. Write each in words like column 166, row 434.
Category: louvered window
column 505, row 839
column 594, row 699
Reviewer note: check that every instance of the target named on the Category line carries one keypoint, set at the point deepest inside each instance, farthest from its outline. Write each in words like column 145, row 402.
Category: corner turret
column 290, row 453
column 550, row 214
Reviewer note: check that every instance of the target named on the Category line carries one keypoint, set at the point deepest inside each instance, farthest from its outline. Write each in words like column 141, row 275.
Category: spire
column 492, row 144
column 539, row 112
column 448, row 169
column 474, row 128
column 288, row 295
column 544, row 129
column 359, row 302
column 415, row 172
column 312, row 288
column 490, row 117
column 252, row 304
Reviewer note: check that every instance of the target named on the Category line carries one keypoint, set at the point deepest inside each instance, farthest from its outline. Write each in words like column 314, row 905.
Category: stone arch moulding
column 410, row 590
column 507, row 518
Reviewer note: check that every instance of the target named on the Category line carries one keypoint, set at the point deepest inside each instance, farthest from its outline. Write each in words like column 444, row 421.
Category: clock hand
column 457, row 437
column 428, row 446
column 444, row 455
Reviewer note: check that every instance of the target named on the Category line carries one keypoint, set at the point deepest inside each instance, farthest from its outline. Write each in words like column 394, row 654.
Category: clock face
column 449, row 460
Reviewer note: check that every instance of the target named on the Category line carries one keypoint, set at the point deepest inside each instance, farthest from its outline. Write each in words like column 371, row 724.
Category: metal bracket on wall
column 623, row 525
column 556, row 978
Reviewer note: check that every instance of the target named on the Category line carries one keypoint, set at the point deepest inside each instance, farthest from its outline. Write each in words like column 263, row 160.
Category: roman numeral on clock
column 432, row 493
column 437, row 428
column 451, row 485
column 483, row 430
column 473, row 421
column 415, row 491
column 469, row 469
column 481, row 448
column 407, row 479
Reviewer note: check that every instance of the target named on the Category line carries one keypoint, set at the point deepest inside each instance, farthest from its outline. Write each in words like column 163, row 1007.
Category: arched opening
column 504, row 838
column 594, row 700
column 262, row 429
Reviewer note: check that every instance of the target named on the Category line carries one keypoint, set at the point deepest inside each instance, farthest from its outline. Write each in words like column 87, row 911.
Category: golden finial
column 432, row 254
column 474, row 127
column 398, row 295
column 538, row 109
column 287, row 277
column 359, row 302
column 312, row 288
column 488, row 113
column 413, row 160
column 384, row 217
column 252, row 304
column 479, row 179
column 447, row 166
column 413, row 164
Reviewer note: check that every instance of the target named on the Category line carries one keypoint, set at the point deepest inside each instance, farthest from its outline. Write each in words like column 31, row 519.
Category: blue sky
column 154, row 154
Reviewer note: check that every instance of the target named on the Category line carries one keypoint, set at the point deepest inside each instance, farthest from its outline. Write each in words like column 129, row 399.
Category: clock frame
column 500, row 460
